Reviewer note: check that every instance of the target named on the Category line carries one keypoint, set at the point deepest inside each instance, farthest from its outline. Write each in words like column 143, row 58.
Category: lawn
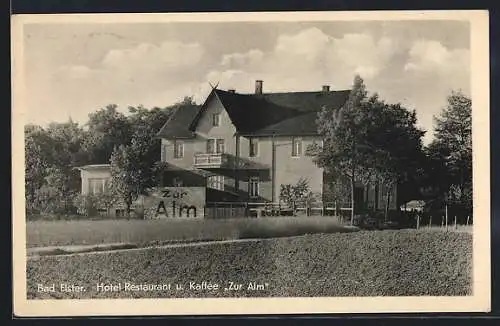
column 365, row 263
column 142, row 232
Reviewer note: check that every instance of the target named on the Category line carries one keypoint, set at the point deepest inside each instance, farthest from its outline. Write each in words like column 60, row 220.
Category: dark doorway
column 359, row 193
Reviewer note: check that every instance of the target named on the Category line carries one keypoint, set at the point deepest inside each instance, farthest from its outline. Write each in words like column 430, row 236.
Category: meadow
column 146, row 232
column 364, row 263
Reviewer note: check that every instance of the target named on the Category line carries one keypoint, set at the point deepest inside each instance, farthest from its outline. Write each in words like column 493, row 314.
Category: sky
column 72, row 69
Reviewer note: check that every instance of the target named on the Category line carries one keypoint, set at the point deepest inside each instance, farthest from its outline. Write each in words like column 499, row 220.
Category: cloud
column 417, row 73
column 431, row 56
column 420, row 73
column 306, row 61
column 145, row 56
column 147, row 74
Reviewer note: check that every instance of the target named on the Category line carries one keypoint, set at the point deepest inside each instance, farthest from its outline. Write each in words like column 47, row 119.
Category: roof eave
column 176, row 137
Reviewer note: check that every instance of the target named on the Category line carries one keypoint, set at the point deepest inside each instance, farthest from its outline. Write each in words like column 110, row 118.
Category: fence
column 225, row 210
column 251, row 209
column 421, row 220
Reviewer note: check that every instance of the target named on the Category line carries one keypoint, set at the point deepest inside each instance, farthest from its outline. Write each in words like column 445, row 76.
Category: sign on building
column 174, row 202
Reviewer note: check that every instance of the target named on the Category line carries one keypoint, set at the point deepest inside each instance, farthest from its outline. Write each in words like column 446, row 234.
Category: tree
column 35, row 162
column 297, row 193
column 290, row 194
column 397, row 145
column 131, row 172
column 107, row 128
column 345, row 149
column 51, row 154
column 451, row 151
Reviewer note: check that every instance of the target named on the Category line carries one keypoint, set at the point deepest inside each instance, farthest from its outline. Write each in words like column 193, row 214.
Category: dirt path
column 37, row 252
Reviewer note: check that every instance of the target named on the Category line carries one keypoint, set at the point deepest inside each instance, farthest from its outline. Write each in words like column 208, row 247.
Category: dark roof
column 309, row 101
column 301, row 125
column 177, row 126
column 291, row 113
column 249, row 112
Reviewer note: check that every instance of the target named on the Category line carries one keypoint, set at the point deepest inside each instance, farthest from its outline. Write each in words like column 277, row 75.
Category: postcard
column 250, row 163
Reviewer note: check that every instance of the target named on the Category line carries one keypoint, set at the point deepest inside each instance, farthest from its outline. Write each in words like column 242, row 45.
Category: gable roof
column 177, row 126
column 248, row 112
column 292, row 113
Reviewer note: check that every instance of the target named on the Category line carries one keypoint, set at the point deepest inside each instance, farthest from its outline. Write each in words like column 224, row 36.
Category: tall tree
column 107, row 128
column 51, row 154
column 396, row 143
column 345, row 149
column 36, row 144
column 67, row 153
column 452, row 149
column 132, row 173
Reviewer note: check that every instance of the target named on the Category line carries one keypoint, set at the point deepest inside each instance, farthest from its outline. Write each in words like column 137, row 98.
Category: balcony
column 210, row 161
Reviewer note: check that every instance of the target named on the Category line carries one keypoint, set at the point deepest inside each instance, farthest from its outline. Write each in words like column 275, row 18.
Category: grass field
column 365, row 263
column 62, row 233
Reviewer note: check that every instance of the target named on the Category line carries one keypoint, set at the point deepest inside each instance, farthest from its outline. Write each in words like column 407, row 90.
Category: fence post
column 442, row 221
column 418, row 221
column 446, row 210
column 430, row 221
column 468, row 220
column 455, row 222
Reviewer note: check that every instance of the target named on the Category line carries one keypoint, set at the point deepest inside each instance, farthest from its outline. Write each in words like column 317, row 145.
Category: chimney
column 231, row 90
column 258, row 87
column 326, row 88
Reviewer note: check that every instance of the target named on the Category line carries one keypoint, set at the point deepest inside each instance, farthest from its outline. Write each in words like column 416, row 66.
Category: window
column 215, row 182
column 296, row 147
column 210, row 146
column 177, row 182
column 97, row 185
column 215, row 146
column 253, row 147
column 178, row 149
column 253, row 187
column 164, row 153
column 220, row 146
column 215, row 119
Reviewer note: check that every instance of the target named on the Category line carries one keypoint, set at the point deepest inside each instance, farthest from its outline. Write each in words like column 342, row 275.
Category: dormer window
column 216, row 119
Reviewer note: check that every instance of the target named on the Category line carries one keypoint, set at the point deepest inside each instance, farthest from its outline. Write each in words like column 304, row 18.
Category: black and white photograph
column 338, row 162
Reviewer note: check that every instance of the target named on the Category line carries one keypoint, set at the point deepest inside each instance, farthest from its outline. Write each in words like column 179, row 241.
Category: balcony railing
column 202, row 160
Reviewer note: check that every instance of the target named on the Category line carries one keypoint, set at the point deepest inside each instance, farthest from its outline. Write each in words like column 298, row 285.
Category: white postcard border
column 480, row 301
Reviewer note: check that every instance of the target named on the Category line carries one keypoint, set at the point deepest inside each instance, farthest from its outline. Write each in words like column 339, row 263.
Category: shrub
column 49, row 200
column 86, row 204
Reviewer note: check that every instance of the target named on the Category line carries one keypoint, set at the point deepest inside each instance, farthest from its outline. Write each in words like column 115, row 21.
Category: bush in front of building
column 51, row 201
column 86, row 204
